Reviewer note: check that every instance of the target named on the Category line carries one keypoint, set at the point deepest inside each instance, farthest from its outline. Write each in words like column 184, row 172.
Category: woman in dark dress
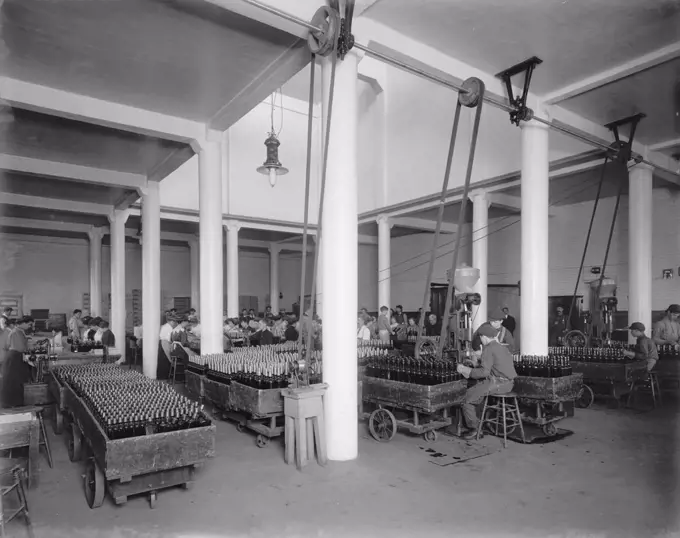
column 15, row 372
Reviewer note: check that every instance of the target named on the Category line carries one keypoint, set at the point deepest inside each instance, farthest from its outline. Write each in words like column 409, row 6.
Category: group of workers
column 14, row 342
column 90, row 328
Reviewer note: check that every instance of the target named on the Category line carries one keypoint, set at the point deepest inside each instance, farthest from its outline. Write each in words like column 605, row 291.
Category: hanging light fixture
column 272, row 167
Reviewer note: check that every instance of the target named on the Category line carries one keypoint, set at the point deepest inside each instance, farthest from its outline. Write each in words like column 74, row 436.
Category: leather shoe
column 471, row 434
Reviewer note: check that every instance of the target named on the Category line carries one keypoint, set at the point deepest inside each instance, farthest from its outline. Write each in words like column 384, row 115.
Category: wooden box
column 425, row 398
column 614, row 372
column 37, row 394
column 258, row 403
column 550, row 389
column 194, row 384
column 217, row 393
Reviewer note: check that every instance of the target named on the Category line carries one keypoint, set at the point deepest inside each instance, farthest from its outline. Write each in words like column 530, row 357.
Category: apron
column 163, row 367
column 15, row 372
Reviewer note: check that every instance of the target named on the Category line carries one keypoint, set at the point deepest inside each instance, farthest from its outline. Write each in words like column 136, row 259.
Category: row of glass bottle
column 542, row 366
column 426, row 370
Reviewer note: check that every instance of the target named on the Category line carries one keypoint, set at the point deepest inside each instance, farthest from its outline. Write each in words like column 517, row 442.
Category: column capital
column 479, row 198
column 193, row 241
column 95, row 233
column 232, row 225
column 384, row 219
column 116, row 214
column 641, row 168
column 274, row 248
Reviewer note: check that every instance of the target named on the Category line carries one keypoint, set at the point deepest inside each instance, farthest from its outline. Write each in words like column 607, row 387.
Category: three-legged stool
column 305, row 428
column 650, row 383
column 13, row 476
column 504, row 411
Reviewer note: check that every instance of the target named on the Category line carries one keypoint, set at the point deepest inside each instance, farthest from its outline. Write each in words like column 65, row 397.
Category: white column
column 319, row 275
column 232, row 227
column 117, row 221
column 195, row 272
column 466, row 240
column 480, row 254
column 384, row 261
column 640, row 215
column 340, row 259
column 274, row 277
column 95, row 236
column 210, row 246
column 151, row 277
column 534, row 259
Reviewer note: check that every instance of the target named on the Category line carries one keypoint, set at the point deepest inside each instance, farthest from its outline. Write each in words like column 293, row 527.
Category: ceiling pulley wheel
column 473, row 89
column 321, row 42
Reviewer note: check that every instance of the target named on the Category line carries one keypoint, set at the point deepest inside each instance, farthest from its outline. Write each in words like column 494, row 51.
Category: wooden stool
column 506, row 415
column 13, row 470
column 43, row 435
column 305, row 427
column 650, row 384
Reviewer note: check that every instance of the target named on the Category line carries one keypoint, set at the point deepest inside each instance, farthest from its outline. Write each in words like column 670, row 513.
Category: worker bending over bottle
column 645, row 349
column 496, row 373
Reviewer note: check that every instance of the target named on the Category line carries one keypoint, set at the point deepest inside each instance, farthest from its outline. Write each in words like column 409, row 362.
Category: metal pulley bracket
column 323, row 42
column 474, row 90
column 522, row 112
column 345, row 38
column 622, row 149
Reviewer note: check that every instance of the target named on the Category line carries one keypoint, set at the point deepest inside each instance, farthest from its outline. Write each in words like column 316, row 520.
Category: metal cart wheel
column 95, row 485
column 585, row 397
column 575, row 339
column 262, row 441
column 74, row 444
column 240, row 427
column 58, row 424
column 382, row 425
column 152, row 500
column 430, row 436
column 549, row 429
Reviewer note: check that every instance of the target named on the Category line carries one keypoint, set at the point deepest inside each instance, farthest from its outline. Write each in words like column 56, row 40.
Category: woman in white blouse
column 364, row 332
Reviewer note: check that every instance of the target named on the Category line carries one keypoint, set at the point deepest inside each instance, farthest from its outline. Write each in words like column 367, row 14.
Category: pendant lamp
column 272, row 167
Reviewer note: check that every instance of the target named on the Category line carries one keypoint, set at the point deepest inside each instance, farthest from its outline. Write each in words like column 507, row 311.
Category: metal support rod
column 609, row 241
column 439, row 80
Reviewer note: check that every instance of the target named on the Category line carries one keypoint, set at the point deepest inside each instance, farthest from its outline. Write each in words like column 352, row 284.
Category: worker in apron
column 667, row 330
column 16, row 372
column 165, row 348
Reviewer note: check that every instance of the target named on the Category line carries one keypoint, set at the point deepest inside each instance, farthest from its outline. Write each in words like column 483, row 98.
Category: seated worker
column 292, row 334
column 106, row 337
column 667, row 330
column 432, row 326
column 496, row 373
column 504, row 336
column 645, row 349
column 363, row 334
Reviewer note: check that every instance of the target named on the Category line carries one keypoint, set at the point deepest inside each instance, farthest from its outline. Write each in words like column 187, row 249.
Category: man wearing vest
column 504, row 335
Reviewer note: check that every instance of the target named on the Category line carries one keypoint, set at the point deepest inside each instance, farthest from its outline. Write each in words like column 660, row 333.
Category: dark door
column 438, row 299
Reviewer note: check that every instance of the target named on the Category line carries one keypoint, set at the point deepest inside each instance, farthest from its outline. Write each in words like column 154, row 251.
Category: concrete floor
column 616, row 476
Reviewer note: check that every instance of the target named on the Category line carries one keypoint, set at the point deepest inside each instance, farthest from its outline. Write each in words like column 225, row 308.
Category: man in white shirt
column 165, row 337
column 74, row 324
column 4, row 319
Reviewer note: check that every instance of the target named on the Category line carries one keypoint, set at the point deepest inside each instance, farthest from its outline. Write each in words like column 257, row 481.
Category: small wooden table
column 20, row 427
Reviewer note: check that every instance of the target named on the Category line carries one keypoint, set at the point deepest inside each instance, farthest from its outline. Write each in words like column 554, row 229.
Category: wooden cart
column 547, row 400
column 133, row 465
column 428, row 406
column 608, row 379
column 258, row 410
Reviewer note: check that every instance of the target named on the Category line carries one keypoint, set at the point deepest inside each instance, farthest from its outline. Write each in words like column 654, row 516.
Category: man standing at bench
column 496, row 373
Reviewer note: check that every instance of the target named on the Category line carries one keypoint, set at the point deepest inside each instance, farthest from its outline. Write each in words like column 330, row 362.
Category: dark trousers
column 476, row 394
column 15, row 372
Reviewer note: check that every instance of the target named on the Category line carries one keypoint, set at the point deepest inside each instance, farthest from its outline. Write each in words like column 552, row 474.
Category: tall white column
column 640, row 245
column 95, row 236
column 340, row 260
column 480, row 254
column 195, row 265
column 232, row 227
column 117, row 220
column 466, row 240
column 384, row 261
column 151, row 277
column 274, row 251
column 319, row 275
column 210, row 246
column 534, row 260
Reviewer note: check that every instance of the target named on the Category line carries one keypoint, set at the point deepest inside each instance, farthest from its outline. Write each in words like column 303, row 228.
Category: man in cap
column 645, row 349
column 667, row 330
column 504, row 336
column 496, row 373
column 558, row 327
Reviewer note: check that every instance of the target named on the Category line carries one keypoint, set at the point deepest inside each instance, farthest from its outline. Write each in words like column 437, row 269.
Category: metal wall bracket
column 522, row 112
column 345, row 38
column 623, row 149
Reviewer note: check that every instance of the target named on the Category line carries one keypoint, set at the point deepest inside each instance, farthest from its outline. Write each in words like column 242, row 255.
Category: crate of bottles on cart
column 550, row 378
column 603, row 363
column 426, row 383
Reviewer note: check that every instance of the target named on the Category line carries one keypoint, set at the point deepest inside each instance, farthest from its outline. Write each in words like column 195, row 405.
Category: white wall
column 53, row 273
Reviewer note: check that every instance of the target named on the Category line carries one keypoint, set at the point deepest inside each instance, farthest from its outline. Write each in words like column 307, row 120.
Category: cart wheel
column 262, row 441
column 58, row 424
column 382, row 425
column 585, row 397
column 430, row 436
column 152, row 500
column 549, row 429
column 240, row 427
column 74, row 444
column 95, row 486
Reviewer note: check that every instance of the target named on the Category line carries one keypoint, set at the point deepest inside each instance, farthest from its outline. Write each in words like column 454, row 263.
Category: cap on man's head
column 637, row 326
column 486, row 329
column 497, row 315
column 674, row 309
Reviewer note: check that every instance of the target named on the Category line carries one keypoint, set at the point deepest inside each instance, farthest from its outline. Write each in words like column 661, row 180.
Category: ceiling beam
column 71, row 172
column 170, row 163
column 55, row 204
column 35, row 224
column 280, row 70
column 511, row 203
column 413, row 223
column 668, row 144
column 624, row 70
column 64, row 104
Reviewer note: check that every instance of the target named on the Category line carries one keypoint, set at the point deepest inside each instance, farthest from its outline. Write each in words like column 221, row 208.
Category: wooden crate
column 606, row 372
column 550, row 389
column 194, row 384
column 258, row 403
column 37, row 394
column 409, row 396
column 19, row 428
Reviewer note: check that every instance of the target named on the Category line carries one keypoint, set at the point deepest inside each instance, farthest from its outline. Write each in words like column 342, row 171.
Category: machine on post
column 460, row 326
